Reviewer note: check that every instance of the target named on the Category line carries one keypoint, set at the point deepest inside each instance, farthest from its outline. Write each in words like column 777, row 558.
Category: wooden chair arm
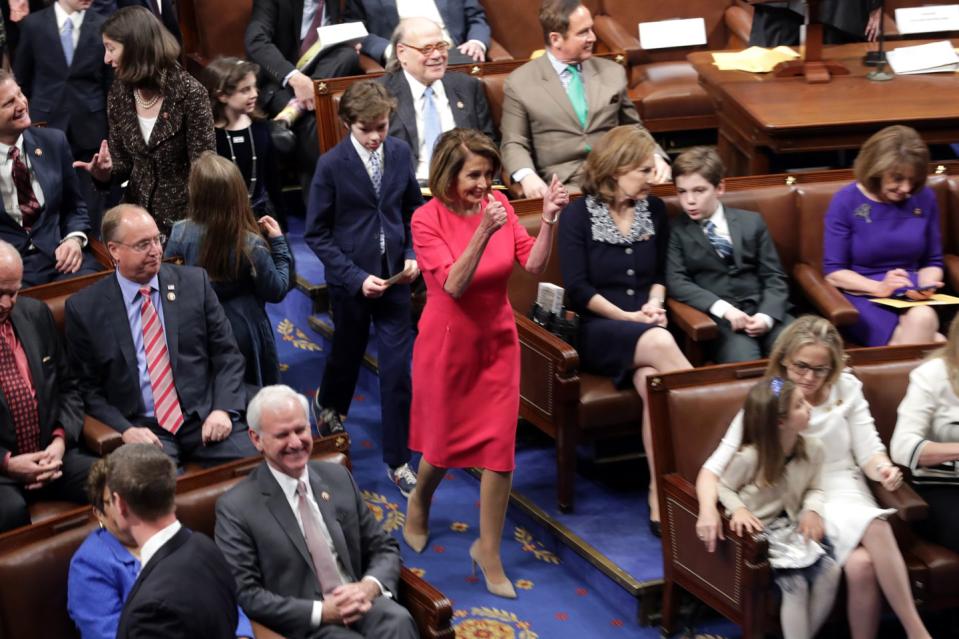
column 545, row 346
column 430, row 608
column 697, row 326
column 617, row 38
column 99, row 438
column 825, row 297
column 910, row 507
column 369, row 65
column 739, row 23
column 496, row 52
column 951, row 270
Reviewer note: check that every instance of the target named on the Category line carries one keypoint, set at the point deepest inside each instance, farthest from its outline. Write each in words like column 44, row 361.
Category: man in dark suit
column 67, row 91
column 779, row 23
column 463, row 23
column 42, row 212
column 360, row 230
column 41, row 412
column 722, row 261
column 307, row 553
column 165, row 10
column 458, row 99
column 277, row 35
column 556, row 107
column 154, row 351
column 184, row 588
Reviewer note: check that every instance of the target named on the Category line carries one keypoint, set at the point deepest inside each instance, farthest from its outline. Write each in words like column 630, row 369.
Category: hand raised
column 100, row 165
column 555, row 199
column 269, row 226
column 494, row 215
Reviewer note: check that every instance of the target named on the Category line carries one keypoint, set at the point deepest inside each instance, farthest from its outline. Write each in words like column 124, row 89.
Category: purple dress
column 872, row 238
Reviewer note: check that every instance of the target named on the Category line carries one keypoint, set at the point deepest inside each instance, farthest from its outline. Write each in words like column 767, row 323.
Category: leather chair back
column 884, row 386
column 515, row 25
column 55, row 294
column 630, row 13
column 214, row 27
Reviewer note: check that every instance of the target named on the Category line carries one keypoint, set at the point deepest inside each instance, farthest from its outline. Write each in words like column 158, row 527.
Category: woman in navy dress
column 248, row 260
column 612, row 247
column 882, row 239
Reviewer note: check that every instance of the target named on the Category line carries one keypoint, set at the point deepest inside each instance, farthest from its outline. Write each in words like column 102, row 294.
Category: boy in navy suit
column 361, row 200
column 722, row 261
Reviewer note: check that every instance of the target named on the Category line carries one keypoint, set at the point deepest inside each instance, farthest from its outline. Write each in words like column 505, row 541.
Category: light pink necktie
column 323, row 562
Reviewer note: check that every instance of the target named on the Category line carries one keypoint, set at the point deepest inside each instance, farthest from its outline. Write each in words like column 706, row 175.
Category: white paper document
column 334, row 34
column 928, row 19
column 672, row 33
column 935, row 57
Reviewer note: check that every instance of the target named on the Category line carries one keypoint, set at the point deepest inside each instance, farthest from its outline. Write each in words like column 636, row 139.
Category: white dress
column 847, row 430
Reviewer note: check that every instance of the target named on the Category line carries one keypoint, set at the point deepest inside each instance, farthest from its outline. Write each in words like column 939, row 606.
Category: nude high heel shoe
column 416, row 541
column 504, row 589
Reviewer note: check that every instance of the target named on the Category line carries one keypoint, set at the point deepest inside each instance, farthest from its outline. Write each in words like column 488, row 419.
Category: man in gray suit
column 558, row 106
column 309, row 558
column 722, row 261
column 456, row 99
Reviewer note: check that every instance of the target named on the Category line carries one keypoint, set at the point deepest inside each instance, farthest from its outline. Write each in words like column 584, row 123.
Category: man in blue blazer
column 42, row 213
column 358, row 223
column 70, row 96
column 116, row 358
column 464, row 22
column 460, row 100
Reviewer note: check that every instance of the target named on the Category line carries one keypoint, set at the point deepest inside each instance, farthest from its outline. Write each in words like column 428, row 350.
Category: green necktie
column 577, row 94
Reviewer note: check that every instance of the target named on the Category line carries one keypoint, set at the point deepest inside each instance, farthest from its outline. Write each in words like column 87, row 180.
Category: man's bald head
column 11, row 277
column 414, row 34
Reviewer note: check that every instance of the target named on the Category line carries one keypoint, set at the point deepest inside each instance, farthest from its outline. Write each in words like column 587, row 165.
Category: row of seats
column 35, row 560
column 575, row 407
column 690, row 412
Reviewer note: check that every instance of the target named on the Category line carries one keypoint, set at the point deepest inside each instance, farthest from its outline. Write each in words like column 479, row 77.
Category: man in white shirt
column 430, row 100
column 185, row 588
column 306, row 551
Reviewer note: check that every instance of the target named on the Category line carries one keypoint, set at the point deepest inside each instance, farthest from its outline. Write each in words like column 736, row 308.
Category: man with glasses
column 430, row 101
column 154, row 351
column 556, row 107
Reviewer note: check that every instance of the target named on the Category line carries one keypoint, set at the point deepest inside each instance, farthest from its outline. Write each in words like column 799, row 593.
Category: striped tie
column 720, row 244
column 166, row 403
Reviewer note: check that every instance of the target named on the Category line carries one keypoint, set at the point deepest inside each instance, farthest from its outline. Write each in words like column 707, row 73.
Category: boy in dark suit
column 358, row 223
column 722, row 261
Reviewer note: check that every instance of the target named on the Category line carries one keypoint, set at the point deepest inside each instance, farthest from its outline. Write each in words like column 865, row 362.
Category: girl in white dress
column 809, row 353
column 772, row 484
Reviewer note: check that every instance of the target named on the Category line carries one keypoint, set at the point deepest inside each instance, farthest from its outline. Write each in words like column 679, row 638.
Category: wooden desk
column 761, row 115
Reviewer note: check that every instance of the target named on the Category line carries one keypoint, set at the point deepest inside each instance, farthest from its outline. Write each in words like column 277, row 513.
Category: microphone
column 878, row 58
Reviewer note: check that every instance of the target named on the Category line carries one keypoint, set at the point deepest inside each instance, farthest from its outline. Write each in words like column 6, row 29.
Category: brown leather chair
column 37, row 558
column 515, row 26
column 664, row 86
column 690, row 412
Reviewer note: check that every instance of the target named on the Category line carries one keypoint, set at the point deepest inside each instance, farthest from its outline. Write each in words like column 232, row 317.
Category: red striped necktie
column 21, row 401
column 166, row 402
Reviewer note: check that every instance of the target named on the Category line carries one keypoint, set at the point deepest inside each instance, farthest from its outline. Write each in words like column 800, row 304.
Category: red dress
column 466, row 355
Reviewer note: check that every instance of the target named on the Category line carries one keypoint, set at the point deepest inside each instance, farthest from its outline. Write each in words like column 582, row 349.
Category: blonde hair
column 893, row 147
column 808, row 330
column 622, row 149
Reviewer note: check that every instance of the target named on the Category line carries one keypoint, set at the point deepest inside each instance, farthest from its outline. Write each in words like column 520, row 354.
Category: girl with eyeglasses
column 773, row 484
column 809, row 354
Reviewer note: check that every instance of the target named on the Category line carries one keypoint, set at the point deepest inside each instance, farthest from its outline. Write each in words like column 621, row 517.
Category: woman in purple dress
column 881, row 239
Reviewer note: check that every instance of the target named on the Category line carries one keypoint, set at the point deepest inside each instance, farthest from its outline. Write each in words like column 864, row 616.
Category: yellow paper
column 753, row 59
column 939, row 299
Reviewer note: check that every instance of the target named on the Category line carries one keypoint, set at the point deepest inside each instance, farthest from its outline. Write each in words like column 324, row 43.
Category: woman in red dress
column 466, row 355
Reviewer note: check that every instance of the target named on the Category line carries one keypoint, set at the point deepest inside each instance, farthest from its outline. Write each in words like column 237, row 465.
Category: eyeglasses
column 428, row 50
column 801, row 368
column 145, row 245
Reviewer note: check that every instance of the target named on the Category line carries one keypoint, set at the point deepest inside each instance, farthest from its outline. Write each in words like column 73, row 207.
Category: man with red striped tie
column 41, row 413
column 154, row 351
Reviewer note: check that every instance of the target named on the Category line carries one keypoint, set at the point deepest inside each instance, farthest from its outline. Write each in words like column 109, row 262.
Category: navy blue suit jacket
column 344, row 216
column 207, row 366
column 464, row 19
column 70, row 98
column 64, row 210
column 168, row 14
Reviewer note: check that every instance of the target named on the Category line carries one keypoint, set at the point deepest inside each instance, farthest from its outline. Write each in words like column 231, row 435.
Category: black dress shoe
column 656, row 528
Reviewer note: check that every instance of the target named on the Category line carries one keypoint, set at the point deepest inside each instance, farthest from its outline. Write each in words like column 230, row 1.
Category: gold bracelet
column 550, row 222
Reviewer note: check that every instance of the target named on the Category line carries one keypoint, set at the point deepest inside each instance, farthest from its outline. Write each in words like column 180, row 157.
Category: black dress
column 595, row 258
column 266, row 195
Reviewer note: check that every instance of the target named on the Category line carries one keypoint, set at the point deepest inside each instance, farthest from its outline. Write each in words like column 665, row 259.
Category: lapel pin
column 914, row 211
column 169, row 287
column 325, row 496
column 38, row 152
column 171, row 296
column 460, row 105
column 166, row 115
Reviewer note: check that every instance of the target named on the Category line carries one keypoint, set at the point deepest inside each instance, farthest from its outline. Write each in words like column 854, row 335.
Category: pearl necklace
column 252, row 185
column 145, row 104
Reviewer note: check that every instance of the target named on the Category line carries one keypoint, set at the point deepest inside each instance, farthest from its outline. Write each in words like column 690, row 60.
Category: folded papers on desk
column 753, row 59
column 939, row 299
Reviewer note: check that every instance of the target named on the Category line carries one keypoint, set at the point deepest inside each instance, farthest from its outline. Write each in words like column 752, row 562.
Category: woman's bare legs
column 863, row 598
column 428, row 478
column 494, row 498
column 918, row 325
column 656, row 352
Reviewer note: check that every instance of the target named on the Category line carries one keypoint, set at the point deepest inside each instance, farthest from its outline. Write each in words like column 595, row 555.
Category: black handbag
column 564, row 325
